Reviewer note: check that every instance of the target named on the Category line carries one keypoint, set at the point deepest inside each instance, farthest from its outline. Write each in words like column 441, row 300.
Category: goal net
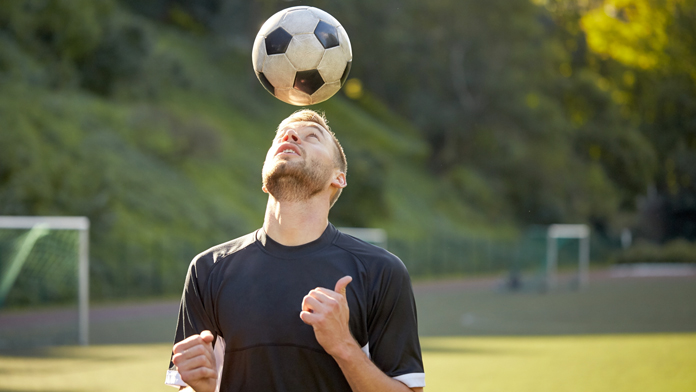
column 43, row 281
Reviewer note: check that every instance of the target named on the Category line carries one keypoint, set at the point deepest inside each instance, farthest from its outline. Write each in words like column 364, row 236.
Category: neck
column 296, row 223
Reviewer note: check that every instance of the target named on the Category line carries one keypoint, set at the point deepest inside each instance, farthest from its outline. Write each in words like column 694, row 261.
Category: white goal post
column 81, row 224
column 582, row 233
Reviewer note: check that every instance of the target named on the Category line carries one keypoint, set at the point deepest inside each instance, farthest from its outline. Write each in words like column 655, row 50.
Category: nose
column 291, row 135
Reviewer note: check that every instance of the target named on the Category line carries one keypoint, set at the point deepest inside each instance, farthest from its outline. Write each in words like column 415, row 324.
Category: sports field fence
column 523, row 258
column 144, row 273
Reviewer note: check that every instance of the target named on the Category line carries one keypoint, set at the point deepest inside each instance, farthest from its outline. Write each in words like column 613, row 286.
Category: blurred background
column 469, row 126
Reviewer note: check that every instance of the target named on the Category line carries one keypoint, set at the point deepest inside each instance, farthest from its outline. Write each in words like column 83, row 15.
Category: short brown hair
column 319, row 118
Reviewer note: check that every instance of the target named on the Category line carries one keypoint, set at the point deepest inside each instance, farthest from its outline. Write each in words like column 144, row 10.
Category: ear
column 339, row 180
column 263, row 188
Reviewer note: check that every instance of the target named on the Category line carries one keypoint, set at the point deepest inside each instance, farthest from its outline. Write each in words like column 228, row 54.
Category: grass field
column 623, row 363
column 618, row 335
column 598, row 363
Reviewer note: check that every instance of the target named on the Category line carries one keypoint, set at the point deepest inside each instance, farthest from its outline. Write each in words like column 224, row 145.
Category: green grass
column 93, row 368
column 599, row 363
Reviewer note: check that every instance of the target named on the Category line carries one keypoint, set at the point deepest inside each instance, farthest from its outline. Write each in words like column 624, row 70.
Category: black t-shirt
column 248, row 292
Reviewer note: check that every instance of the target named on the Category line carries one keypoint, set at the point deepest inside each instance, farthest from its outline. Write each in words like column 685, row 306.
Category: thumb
column 341, row 285
column 207, row 336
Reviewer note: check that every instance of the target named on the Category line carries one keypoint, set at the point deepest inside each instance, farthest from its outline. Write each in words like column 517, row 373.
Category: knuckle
column 185, row 372
column 203, row 362
column 201, row 373
column 188, row 376
column 194, row 374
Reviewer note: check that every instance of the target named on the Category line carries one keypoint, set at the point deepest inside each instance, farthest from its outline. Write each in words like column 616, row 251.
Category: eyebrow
column 318, row 127
column 310, row 124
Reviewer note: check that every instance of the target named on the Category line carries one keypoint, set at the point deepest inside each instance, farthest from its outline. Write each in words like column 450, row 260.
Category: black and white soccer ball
column 302, row 55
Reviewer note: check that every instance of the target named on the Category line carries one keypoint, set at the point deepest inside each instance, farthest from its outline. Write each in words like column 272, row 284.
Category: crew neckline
column 273, row 247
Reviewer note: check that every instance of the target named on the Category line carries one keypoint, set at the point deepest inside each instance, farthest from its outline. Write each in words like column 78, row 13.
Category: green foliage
column 493, row 90
column 677, row 251
column 56, row 34
column 85, row 43
column 119, row 57
column 644, row 51
column 68, row 30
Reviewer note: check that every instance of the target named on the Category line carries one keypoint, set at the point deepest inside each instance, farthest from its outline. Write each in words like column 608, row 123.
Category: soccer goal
column 553, row 235
column 44, row 280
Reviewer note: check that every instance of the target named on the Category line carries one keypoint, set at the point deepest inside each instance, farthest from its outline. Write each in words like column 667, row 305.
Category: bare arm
column 327, row 312
column 364, row 376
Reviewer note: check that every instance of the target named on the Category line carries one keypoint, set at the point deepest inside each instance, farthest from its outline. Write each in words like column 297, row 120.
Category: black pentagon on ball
column 266, row 84
column 346, row 72
column 277, row 42
column 327, row 34
column 308, row 81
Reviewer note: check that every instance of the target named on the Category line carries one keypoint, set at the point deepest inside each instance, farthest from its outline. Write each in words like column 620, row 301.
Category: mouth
column 288, row 148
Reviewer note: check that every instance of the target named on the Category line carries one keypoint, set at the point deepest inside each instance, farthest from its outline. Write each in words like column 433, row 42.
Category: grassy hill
column 158, row 135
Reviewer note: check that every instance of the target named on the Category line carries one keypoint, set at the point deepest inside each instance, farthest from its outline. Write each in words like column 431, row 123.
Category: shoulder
column 371, row 256
column 209, row 258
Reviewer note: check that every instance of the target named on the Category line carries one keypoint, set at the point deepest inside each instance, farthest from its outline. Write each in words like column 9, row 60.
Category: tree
column 654, row 43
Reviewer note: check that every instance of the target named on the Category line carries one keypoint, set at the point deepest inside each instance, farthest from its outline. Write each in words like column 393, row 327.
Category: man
column 257, row 313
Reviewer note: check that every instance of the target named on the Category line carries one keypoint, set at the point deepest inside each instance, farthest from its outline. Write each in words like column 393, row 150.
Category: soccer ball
column 302, row 55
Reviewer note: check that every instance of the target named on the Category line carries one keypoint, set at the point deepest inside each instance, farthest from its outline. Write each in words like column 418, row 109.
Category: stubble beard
column 294, row 182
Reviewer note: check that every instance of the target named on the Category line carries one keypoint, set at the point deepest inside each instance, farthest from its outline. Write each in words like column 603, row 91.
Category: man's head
column 304, row 159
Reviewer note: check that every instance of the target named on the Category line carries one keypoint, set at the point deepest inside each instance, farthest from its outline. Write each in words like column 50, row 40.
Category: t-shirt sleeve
column 393, row 327
column 195, row 312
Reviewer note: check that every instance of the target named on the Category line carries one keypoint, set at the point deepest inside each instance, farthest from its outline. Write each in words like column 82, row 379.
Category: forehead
column 297, row 125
